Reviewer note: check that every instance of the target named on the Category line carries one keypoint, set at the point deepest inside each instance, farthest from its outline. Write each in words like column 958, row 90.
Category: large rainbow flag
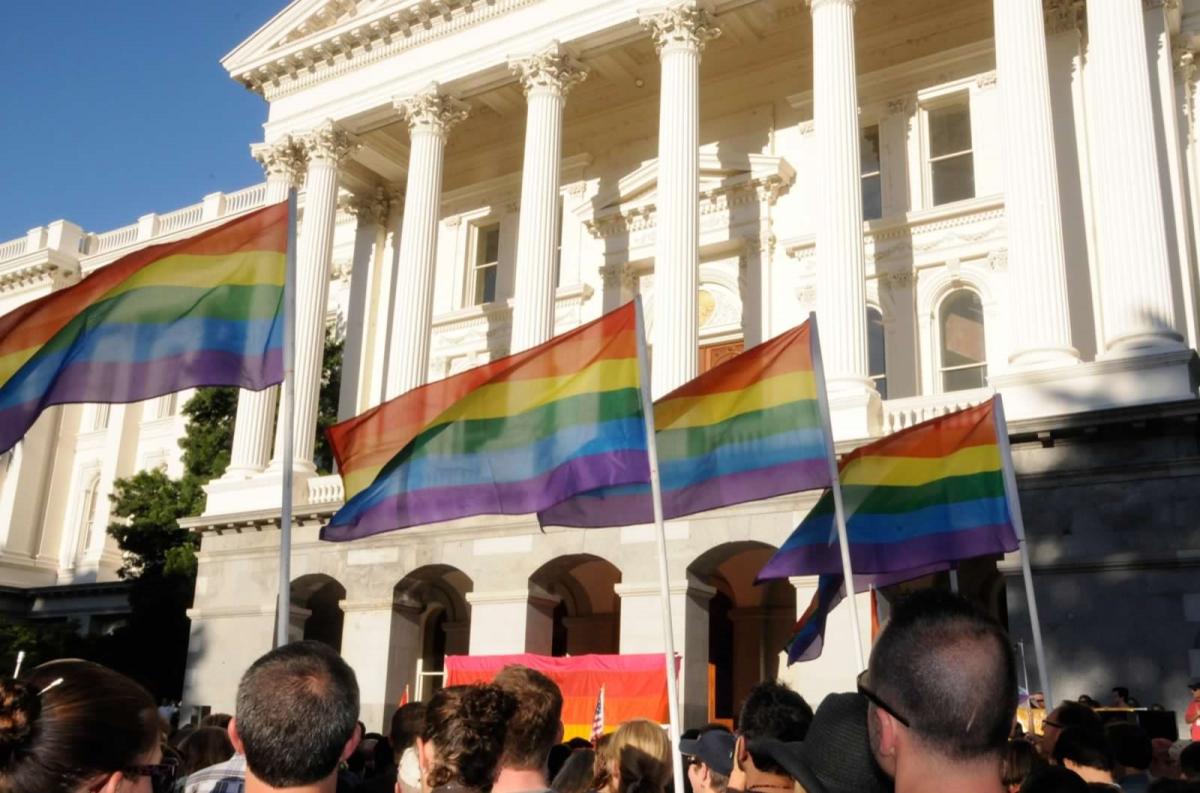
column 745, row 430
column 512, row 437
column 929, row 494
column 206, row 310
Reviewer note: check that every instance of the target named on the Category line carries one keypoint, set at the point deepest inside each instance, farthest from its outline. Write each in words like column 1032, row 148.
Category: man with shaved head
column 942, row 688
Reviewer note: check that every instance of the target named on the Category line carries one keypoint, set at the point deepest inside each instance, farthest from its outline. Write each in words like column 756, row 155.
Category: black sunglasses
column 162, row 775
column 874, row 699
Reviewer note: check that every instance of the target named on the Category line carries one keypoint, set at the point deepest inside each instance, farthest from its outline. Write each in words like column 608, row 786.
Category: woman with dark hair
column 576, row 774
column 77, row 727
column 463, row 738
column 1020, row 760
column 204, row 746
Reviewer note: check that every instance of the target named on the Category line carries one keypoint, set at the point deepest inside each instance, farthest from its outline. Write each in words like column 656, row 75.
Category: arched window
column 877, row 351
column 87, row 514
column 963, row 349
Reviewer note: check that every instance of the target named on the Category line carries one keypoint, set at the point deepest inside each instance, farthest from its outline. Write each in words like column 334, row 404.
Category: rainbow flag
column 928, row 494
column 514, row 436
column 206, row 310
column 745, row 430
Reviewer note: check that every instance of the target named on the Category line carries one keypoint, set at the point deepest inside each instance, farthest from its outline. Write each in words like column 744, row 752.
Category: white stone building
column 972, row 195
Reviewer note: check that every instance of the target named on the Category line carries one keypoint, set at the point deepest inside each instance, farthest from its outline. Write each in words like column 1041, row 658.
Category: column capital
column 284, row 159
column 1063, row 15
column 328, row 142
column 371, row 206
column 685, row 26
column 815, row 4
column 552, row 70
column 432, row 111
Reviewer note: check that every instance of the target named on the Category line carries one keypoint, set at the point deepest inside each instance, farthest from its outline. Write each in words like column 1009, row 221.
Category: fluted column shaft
column 254, row 423
column 841, row 269
column 1135, row 275
column 326, row 146
column 370, row 210
column 430, row 116
column 680, row 34
column 547, row 77
column 1041, row 318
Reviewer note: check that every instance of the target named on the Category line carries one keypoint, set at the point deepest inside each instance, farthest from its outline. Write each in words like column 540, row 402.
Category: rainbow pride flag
column 512, row 437
column 745, row 430
column 206, row 310
column 928, row 494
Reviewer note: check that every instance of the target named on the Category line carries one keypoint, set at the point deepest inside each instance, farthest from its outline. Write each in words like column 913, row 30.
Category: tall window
column 87, row 523
column 964, row 356
column 485, row 264
column 872, row 183
column 97, row 417
column 951, row 161
column 877, row 351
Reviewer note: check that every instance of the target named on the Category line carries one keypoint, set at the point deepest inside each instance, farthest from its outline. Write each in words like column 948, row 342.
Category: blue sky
column 110, row 109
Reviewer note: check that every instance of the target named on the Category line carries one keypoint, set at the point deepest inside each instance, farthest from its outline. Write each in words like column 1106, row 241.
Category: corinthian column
column 326, row 146
column 430, row 117
column 680, row 33
column 1135, row 274
column 371, row 211
column 284, row 163
column 546, row 77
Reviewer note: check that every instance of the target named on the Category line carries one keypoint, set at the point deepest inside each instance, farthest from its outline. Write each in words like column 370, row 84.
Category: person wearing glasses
column 709, row 759
column 78, row 727
column 942, row 692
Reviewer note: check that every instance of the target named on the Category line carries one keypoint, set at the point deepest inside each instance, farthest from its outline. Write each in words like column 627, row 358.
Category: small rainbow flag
column 206, row 310
column 745, row 430
column 511, row 437
column 929, row 494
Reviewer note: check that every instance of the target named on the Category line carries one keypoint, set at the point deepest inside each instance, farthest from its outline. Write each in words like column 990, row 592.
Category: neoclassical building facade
column 973, row 197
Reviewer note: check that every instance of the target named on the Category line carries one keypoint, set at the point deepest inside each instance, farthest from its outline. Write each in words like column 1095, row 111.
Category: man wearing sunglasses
column 942, row 689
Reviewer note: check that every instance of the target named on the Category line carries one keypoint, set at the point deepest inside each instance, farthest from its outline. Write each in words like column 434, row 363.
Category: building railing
column 13, row 248
column 180, row 219
column 111, row 240
column 244, row 199
column 901, row 413
column 325, row 490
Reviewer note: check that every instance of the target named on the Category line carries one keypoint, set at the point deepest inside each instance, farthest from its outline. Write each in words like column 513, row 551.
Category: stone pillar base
column 264, row 491
column 855, row 412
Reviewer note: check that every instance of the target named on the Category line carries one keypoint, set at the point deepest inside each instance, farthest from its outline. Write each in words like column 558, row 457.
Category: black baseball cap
column 1194, row 685
column 714, row 748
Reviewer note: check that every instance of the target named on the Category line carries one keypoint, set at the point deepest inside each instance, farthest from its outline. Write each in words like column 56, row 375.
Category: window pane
column 876, row 344
column 491, row 246
column 868, row 149
column 872, row 197
column 953, row 179
column 964, row 349
column 881, row 386
column 485, row 284
column 963, row 379
column 949, row 129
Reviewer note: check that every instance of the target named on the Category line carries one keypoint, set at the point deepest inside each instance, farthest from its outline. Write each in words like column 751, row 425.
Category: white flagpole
column 288, row 417
column 1014, row 508
column 20, row 660
column 660, row 534
column 836, row 485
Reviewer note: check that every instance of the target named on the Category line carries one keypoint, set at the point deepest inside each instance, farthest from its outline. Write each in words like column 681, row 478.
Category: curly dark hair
column 467, row 725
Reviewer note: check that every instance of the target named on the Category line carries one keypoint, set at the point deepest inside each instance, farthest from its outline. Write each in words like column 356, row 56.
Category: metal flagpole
column 836, row 485
column 1028, row 693
column 284, row 611
column 1014, row 507
column 660, row 534
column 20, row 660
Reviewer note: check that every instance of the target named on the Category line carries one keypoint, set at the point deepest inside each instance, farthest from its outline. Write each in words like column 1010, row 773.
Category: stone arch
column 435, row 619
column 586, row 617
column 316, row 609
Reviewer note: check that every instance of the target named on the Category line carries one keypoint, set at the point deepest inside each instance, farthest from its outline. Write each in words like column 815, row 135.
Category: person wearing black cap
column 709, row 760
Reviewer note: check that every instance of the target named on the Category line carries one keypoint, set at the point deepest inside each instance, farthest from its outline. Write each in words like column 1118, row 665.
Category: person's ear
column 558, row 736
column 108, row 784
column 888, row 732
column 424, row 756
column 351, row 744
column 234, row 738
column 740, row 753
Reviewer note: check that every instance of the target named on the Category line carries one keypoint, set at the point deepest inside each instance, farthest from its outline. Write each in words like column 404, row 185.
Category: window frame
column 947, row 95
column 478, row 228
column 877, row 174
column 876, row 378
column 940, row 349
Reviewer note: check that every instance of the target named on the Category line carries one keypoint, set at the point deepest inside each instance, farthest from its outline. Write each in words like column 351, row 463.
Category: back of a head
column 772, row 710
column 204, row 746
column 642, row 754
column 1189, row 761
column 1083, row 747
column 466, row 725
column 534, row 730
column 949, row 670
column 407, row 723
column 1054, row 779
column 297, row 706
column 1020, row 760
column 70, row 722
column 1130, row 745
column 576, row 774
column 1073, row 714
column 217, row 720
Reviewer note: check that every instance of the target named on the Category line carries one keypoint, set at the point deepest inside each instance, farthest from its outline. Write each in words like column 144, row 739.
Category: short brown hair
column 533, row 730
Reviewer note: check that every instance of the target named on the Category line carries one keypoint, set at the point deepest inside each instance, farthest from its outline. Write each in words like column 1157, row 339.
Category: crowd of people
column 935, row 711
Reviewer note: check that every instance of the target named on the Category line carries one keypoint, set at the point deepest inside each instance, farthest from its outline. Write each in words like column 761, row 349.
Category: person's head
column 464, row 734
column 204, row 746
column 1054, row 779
column 1189, row 762
column 407, row 723
column 1085, row 753
column 74, row 726
column 296, row 715
column 635, row 759
column 709, row 759
column 1120, row 696
column 1194, row 688
column 1131, row 747
column 537, row 725
column 559, row 753
column 1068, row 714
column 1037, row 700
column 577, row 772
column 217, row 720
column 941, row 682
column 771, row 711
column 1020, row 759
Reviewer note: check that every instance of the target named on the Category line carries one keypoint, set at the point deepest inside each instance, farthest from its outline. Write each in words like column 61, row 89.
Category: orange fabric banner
column 635, row 686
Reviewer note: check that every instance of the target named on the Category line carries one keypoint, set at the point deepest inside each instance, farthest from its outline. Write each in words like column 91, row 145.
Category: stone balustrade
column 901, row 413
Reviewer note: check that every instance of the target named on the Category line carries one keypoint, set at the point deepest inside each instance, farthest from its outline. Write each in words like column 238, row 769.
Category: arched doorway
column 316, row 610
column 748, row 625
column 587, row 616
column 436, row 622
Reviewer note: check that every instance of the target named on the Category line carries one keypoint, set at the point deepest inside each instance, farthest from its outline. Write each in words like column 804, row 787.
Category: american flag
column 598, row 718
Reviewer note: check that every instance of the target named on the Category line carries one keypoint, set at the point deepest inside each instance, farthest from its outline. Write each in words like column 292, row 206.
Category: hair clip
column 57, row 682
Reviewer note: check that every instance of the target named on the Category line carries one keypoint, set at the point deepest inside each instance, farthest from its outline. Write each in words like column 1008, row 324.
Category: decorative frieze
column 432, row 111
column 686, row 25
column 552, row 70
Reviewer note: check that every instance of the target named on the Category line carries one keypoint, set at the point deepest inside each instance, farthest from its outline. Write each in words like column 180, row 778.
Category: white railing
column 13, row 248
column 901, row 413
column 180, row 219
column 117, row 238
column 245, row 199
column 325, row 489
